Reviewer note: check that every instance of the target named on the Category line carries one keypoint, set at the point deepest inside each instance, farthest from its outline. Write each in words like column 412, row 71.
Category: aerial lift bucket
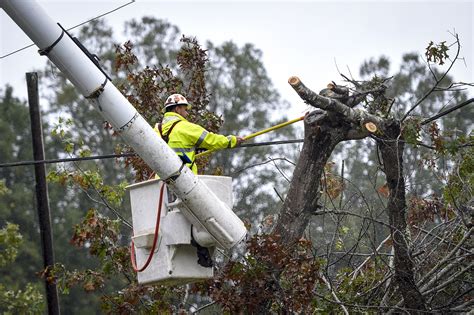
column 175, row 260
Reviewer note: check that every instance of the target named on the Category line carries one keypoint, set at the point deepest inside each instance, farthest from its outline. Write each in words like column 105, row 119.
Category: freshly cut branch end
column 371, row 127
column 293, row 80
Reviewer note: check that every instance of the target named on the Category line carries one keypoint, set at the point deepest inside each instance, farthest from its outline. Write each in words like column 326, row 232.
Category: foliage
column 29, row 300
column 3, row 188
column 24, row 301
column 10, row 241
column 423, row 210
column 331, row 184
column 460, row 185
column 90, row 180
column 17, row 189
column 148, row 88
column 437, row 53
column 411, row 131
column 246, row 285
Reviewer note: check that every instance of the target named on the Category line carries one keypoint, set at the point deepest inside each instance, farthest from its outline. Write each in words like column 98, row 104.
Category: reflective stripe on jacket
column 186, row 137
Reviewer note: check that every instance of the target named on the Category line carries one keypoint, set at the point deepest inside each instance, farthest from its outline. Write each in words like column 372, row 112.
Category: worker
column 185, row 137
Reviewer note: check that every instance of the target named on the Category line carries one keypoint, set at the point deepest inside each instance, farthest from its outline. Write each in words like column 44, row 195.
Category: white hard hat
column 176, row 99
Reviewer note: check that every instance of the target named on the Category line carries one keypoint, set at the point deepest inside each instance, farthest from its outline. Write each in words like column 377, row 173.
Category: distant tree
column 14, row 299
column 17, row 205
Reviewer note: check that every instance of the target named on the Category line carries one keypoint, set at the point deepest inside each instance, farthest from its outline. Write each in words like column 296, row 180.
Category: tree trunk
column 391, row 148
column 321, row 136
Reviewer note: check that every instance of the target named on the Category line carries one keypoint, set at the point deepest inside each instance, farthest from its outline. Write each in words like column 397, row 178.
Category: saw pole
column 261, row 132
column 258, row 133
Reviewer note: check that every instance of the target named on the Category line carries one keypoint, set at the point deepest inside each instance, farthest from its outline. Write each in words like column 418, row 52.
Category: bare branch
column 356, row 271
column 451, row 279
column 455, row 86
column 435, row 269
column 204, row 307
column 261, row 163
column 437, row 237
column 280, row 170
column 397, row 309
column 438, row 81
column 339, row 212
column 334, row 295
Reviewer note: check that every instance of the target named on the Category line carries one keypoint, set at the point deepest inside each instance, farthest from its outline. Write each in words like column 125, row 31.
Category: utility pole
column 42, row 190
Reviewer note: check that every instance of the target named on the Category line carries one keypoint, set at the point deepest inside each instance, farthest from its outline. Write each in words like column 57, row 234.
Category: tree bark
column 321, row 136
column 391, row 149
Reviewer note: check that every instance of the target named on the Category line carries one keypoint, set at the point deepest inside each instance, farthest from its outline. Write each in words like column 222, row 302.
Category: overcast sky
column 303, row 38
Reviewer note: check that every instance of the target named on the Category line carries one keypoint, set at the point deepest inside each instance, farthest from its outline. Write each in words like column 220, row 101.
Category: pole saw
column 258, row 133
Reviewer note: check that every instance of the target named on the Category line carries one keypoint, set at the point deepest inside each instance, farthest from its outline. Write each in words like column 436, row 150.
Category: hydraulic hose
column 155, row 238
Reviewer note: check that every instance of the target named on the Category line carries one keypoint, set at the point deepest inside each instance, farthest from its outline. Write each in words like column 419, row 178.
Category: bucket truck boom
column 199, row 203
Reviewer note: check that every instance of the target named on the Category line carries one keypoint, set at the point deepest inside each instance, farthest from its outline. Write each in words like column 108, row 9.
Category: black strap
column 183, row 158
column 167, row 136
column 89, row 55
column 48, row 49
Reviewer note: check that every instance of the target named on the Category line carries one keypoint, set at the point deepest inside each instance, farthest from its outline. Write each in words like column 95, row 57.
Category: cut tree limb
column 356, row 116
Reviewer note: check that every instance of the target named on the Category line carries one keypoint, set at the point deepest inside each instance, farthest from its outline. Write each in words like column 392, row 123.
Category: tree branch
column 439, row 238
column 333, row 293
column 445, row 259
column 451, row 279
column 356, row 271
column 358, row 117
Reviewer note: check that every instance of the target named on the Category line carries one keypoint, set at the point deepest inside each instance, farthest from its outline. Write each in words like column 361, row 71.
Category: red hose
column 155, row 238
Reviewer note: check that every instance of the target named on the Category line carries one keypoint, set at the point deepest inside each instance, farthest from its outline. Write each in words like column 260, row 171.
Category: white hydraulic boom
column 200, row 202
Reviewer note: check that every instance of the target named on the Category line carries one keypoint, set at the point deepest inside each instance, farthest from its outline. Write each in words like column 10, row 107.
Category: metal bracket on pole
column 173, row 177
column 92, row 57
column 129, row 123
column 98, row 91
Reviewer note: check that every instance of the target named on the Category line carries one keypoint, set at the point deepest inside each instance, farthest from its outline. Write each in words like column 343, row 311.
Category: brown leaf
column 384, row 191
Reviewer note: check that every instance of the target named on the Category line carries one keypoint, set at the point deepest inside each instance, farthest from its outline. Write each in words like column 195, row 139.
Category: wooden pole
column 42, row 190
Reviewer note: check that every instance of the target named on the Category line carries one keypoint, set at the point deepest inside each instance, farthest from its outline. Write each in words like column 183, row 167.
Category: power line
column 111, row 156
column 52, row 161
column 80, row 24
column 469, row 101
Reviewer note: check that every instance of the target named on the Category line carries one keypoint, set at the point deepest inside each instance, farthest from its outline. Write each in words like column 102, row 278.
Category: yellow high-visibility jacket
column 186, row 137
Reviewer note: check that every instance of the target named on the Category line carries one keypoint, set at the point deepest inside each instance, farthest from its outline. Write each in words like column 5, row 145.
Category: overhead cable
column 469, row 101
column 111, row 156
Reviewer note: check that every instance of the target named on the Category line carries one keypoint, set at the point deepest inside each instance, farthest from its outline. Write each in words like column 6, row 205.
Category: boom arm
column 215, row 216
